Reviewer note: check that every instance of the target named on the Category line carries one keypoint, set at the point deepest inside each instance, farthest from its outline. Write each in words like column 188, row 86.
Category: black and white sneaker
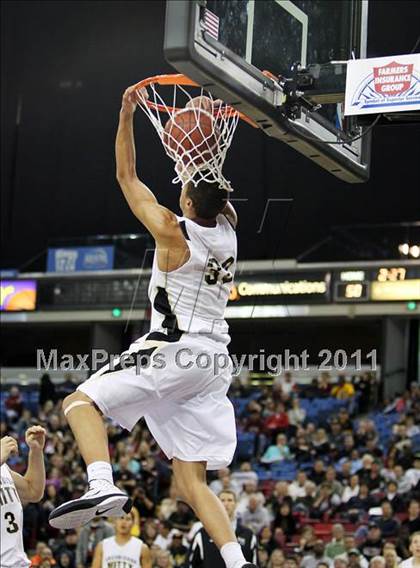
column 249, row 565
column 104, row 500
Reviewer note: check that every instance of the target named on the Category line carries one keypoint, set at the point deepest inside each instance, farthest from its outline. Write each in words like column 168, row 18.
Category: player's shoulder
column 167, row 225
column 227, row 221
column 167, row 215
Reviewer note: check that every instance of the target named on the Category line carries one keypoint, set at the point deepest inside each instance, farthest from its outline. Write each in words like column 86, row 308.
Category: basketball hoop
column 198, row 131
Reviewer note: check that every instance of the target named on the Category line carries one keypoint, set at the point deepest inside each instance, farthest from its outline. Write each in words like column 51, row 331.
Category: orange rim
column 183, row 80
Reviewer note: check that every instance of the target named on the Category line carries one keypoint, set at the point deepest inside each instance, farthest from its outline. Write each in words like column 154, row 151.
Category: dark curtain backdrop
column 64, row 68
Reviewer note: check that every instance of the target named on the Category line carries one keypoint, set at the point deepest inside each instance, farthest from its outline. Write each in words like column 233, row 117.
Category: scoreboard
column 382, row 284
column 385, row 284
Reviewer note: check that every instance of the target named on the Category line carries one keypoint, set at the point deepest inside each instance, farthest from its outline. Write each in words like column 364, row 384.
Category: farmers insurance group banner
column 79, row 259
column 383, row 85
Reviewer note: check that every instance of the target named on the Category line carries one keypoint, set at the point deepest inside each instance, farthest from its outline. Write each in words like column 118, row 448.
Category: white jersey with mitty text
column 126, row 555
column 193, row 298
column 12, row 554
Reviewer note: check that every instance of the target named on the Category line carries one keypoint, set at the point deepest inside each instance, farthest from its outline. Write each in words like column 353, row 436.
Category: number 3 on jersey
column 216, row 272
column 12, row 527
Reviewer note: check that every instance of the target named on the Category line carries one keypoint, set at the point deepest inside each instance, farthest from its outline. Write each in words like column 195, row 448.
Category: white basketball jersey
column 193, row 298
column 12, row 554
column 121, row 556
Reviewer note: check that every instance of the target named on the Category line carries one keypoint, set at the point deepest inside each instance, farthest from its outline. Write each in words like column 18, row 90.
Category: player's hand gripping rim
column 132, row 97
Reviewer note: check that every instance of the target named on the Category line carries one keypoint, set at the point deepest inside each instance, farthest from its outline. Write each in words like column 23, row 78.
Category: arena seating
column 152, row 472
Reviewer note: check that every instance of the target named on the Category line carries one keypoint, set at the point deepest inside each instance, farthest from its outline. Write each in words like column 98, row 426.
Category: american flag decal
column 211, row 24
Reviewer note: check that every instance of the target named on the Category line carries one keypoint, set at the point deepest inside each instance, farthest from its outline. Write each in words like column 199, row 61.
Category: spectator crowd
column 332, row 489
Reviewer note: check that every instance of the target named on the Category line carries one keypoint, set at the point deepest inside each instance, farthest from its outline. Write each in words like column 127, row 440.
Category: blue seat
column 264, row 474
column 285, row 466
column 306, row 466
column 245, row 436
column 284, row 475
column 245, row 448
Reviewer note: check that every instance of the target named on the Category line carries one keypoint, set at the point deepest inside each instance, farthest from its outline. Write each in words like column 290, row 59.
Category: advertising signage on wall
column 18, row 295
column 282, row 288
column 80, row 259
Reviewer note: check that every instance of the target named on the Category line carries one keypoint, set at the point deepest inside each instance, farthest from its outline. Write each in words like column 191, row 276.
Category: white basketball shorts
column 180, row 387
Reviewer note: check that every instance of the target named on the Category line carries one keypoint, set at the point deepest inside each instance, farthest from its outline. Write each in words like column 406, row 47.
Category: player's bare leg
column 88, row 428
column 190, row 479
column 102, row 497
column 191, row 483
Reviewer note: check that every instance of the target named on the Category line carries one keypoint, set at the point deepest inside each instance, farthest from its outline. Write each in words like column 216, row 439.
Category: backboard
column 226, row 45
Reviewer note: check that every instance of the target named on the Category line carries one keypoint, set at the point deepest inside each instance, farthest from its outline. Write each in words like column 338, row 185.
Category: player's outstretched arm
column 160, row 221
column 31, row 486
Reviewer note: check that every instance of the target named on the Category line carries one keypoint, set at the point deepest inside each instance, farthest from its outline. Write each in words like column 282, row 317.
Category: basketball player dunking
column 181, row 393
column 15, row 488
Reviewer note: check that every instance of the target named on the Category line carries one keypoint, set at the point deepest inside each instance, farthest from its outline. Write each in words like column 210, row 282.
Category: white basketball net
column 193, row 162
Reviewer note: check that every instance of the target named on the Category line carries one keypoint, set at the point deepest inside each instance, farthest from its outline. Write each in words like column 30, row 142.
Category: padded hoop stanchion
column 199, row 153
